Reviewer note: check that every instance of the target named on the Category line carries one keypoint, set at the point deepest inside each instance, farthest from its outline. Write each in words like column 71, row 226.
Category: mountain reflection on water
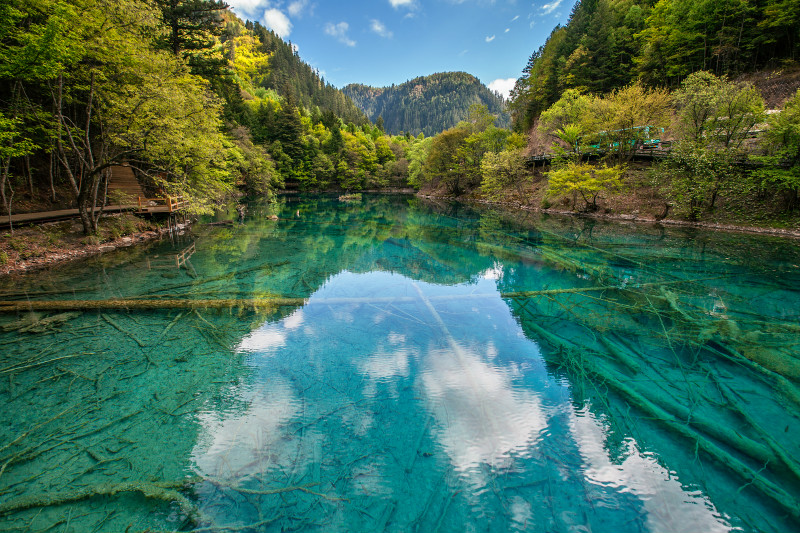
column 452, row 369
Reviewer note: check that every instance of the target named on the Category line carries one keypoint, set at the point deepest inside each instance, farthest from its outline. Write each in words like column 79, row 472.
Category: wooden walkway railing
column 172, row 204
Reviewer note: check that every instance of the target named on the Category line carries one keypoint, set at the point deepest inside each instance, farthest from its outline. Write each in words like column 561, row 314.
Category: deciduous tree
column 587, row 180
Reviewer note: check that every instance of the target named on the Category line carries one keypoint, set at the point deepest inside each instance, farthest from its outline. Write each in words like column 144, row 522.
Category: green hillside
column 607, row 44
column 289, row 74
column 427, row 104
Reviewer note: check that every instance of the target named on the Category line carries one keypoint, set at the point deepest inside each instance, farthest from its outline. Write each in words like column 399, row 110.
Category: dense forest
column 199, row 103
column 607, row 44
column 640, row 106
column 427, row 104
column 204, row 105
column 288, row 74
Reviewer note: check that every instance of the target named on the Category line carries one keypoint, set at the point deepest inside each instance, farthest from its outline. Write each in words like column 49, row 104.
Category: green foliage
column 289, row 76
column 191, row 24
column 627, row 116
column 608, row 44
column 116, row 98
column 685, row 36
column 252, row 165
column 446, row 161
column 781, row 167
column 38, row 38
column 13, row 142
column 566, row 118
column 539, row 86
column 617, row 123
column 717, row 112
column 428, row 104
column 783, row 135
column 692, row 176
column 568, row 111
column 417, row 155
column 502, row 172
column 585, row 179
column 455, row 158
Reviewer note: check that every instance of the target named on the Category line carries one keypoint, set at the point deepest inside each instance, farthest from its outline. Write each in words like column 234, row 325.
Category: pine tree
column 192, row 27
column 289, row 129
column 192, row 24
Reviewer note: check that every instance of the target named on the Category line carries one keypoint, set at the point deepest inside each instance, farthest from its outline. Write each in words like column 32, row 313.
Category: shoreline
column 758, row 230
column 70, row 253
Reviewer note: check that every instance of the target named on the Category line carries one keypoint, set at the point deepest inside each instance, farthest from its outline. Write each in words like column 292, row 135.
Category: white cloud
column 507, row 30
column 401, row 3
column 552, row 6
column 275, row 20
column 248, row 7
column 503, row 86
column 490, row 39
column 378, row 27
column 515, row 18
column 463, row 52
column 297, row 7
column 339, row 31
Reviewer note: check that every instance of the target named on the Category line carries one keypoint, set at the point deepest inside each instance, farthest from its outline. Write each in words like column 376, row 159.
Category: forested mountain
column 607, row 44
column 428, row 104
column 197, row 102
column 288, row 74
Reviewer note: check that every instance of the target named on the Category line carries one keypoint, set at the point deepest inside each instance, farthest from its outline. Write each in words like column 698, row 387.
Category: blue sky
column 381, row 42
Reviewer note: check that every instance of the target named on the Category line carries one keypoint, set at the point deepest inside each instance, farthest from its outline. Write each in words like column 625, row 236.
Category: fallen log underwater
column 134, row 303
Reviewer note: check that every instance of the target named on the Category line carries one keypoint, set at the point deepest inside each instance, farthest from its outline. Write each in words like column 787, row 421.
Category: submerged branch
column 164, row 491
column 120, row 303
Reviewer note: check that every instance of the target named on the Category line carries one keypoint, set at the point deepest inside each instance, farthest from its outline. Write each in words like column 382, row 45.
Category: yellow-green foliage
column 249, row 63
column 585, row 179
column 503, row 172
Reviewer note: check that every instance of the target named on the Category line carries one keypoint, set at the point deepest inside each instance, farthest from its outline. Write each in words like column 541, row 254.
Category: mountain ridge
column 426, row 104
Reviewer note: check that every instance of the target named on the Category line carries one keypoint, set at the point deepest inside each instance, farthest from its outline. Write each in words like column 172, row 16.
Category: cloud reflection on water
column 481, row 418
column 668, row 506
column 235, row 444
column 486, row 416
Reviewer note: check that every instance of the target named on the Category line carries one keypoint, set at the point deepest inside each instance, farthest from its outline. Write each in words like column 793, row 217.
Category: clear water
column 451, row 370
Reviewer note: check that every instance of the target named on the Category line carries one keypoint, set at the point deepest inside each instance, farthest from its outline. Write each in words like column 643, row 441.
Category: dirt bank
column 35, row 247
column 638, row 218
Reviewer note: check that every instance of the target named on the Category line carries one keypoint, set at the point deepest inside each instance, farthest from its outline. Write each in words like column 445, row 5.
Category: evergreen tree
column 192, row 28
column 289, row 129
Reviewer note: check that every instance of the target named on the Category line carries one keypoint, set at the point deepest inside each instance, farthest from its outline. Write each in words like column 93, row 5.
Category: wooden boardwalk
column 122, row 180
column 66, row 214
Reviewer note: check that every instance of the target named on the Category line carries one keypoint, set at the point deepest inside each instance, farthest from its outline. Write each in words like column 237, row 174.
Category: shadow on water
column 392, row 364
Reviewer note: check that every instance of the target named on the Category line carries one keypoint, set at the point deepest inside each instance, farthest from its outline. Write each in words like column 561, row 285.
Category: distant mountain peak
column 427, row 104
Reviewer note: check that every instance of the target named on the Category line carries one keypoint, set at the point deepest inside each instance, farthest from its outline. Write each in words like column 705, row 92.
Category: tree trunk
column 97, row 210
column 52, row 176
column 84, row 184
column 6, row 199
column 83, row 214
column 29, row 172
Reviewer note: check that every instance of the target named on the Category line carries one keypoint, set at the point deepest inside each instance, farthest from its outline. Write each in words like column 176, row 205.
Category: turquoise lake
column 395, row 364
